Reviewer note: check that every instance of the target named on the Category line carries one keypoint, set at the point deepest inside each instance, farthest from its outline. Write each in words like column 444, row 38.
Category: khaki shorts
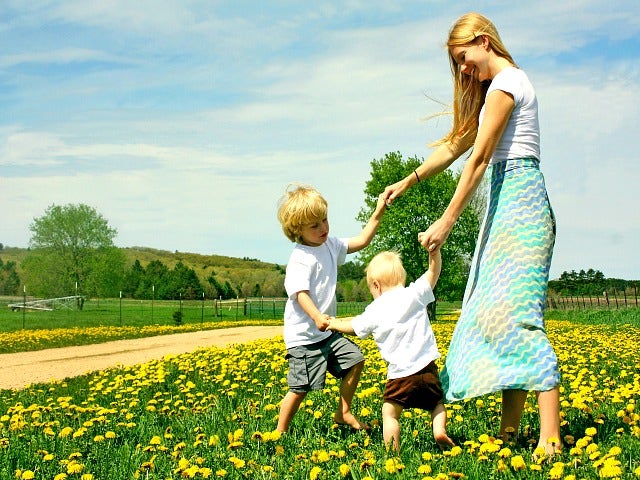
column 420, row 390
column 309, row 364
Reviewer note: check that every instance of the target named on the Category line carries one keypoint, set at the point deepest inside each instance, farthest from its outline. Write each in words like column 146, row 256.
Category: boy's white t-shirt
column 314, row 269
column 398, row 322
column 521, row 137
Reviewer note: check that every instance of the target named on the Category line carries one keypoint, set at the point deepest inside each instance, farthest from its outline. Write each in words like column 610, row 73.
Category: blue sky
column 182, row 122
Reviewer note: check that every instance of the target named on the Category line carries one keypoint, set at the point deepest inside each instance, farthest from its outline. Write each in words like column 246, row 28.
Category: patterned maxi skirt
column 500, row 342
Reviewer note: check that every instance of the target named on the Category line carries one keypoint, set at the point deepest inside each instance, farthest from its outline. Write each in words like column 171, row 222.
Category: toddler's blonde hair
column 387, row 269
column 300, row 206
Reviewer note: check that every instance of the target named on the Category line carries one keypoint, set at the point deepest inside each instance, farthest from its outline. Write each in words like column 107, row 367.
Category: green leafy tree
column 412, row 213
column 9, row 279
column 156, row 279
column 71, row 245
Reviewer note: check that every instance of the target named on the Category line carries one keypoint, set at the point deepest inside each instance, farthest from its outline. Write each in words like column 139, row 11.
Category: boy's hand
column 323, row 323
column 382, row 202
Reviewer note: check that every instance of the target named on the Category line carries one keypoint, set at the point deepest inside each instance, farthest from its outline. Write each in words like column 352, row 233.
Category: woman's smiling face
column 473, row 59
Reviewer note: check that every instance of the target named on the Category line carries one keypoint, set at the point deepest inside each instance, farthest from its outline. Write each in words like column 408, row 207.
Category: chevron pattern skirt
column 500, row 342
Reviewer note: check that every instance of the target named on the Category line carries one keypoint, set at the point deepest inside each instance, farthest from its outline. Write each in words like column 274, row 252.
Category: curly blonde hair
column 300, row 206
column 468, row 93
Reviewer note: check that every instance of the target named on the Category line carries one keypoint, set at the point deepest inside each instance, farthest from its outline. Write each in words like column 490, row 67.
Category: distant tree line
column 587, row 282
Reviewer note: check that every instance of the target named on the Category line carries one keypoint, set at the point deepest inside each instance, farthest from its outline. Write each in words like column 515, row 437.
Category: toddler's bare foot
column 443, row 440
column 350, row 420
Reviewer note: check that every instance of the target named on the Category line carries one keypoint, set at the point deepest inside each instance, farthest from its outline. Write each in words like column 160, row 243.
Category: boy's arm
column 435, row 266
column 360, row 241
column 342, row 326
column 320, row 319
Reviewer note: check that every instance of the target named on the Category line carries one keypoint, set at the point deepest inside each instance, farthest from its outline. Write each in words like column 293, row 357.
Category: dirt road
column 20, row 369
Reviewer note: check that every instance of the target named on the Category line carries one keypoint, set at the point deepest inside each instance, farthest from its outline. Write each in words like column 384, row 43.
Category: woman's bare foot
column 547, row 450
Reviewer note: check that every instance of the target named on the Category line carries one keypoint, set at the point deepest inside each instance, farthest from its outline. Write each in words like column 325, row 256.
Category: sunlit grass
column 29, row 340
column 211, row 414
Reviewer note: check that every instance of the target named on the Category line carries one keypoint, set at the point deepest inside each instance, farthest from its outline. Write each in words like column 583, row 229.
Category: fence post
column 615, row 296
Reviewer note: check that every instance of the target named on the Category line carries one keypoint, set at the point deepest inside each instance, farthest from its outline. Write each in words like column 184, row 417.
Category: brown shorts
column 420, row 390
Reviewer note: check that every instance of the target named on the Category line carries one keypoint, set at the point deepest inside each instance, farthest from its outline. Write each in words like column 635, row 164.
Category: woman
column 499, row 343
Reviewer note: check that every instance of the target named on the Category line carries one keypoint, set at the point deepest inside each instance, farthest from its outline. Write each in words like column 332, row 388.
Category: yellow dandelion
column 87, row 476
column 237, row 462
column 27, row 475
column 74, row 467
column 110, row 435
column 314, row 473
column 221, row 473
column 344, row 470
column 424, row 469
column 393, row 465
column 614, row 451
column 591, row 431
column 518, row 463
column 60, row 476
column 504, row 453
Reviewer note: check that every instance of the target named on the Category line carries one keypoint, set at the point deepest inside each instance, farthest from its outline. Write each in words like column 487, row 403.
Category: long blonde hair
column 468, row 93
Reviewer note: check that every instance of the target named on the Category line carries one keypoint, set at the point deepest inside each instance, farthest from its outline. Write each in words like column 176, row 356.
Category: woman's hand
column 434, row 237
column 394, row 191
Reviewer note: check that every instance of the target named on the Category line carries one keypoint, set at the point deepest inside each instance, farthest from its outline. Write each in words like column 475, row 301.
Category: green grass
column 211, row 413
column 112, row 319
column 622, row 316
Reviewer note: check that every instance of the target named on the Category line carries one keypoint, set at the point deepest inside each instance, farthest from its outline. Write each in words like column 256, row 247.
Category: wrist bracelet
column 417, row 176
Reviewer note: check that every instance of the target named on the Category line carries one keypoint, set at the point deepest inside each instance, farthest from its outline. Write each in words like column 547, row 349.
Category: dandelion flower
column 518, row 463
column 314, row 473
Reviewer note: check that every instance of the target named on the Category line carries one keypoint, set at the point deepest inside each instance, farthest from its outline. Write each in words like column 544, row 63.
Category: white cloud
column 187, row 136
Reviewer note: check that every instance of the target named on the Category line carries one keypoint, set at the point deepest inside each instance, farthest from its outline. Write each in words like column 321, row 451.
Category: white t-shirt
column 398, row 322
column 521, row 137
column 314, row 269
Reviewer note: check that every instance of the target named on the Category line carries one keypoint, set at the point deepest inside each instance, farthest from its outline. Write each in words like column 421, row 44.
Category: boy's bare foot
column 350, row 420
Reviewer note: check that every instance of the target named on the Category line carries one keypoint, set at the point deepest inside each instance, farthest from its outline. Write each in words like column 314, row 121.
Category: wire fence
column 269, row 308
column 607, row 300
column 32, row 312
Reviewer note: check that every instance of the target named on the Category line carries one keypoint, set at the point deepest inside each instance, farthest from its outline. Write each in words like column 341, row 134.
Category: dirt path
column 20, row 369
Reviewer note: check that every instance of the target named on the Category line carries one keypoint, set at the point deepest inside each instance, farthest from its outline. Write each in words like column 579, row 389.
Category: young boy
column 310, row 282
column 398, row 322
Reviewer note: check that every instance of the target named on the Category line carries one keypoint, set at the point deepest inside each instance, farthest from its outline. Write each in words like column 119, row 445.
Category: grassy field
column 114, row 319
column 211, row 414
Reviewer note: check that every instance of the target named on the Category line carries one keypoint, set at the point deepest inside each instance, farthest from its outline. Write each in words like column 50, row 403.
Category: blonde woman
column 500, row 342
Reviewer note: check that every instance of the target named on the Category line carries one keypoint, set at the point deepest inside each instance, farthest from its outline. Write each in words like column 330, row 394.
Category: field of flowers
column 211, row 414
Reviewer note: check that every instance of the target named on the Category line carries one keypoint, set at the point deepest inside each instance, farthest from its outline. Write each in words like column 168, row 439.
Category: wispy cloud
column 182, row 122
